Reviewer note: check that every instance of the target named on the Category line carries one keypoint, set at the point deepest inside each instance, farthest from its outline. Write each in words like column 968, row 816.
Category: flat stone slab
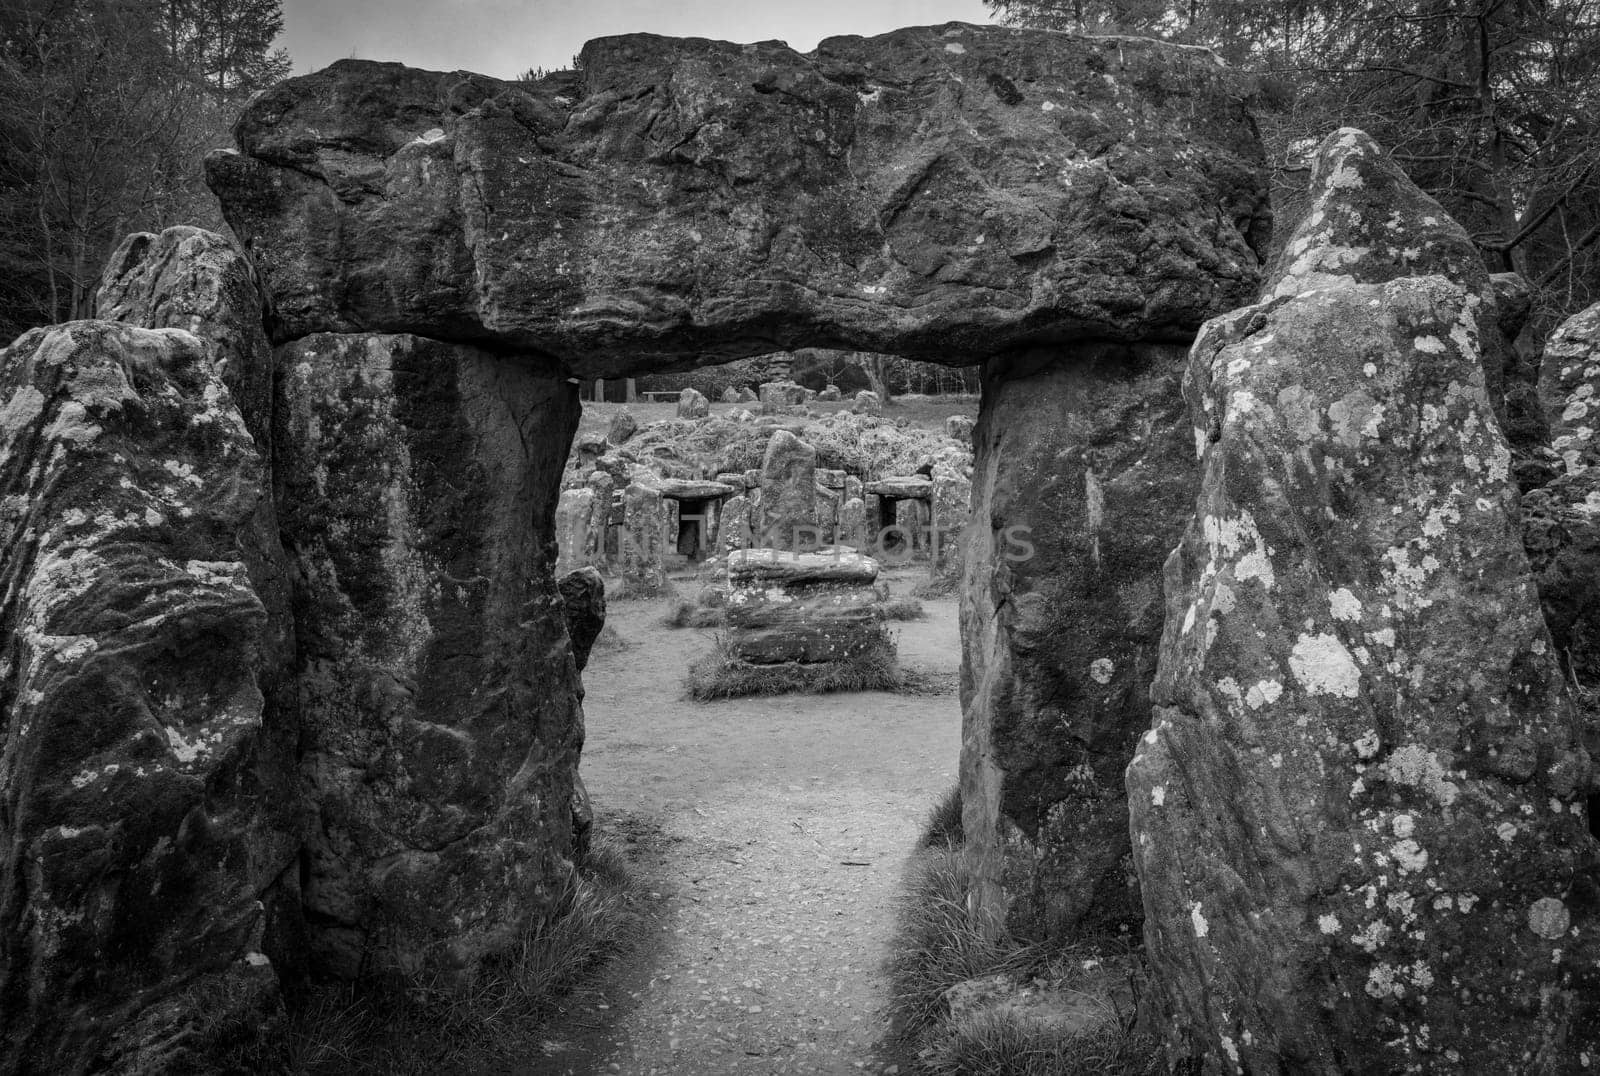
column 782, row 567
column 904, row 487
column 691, row 489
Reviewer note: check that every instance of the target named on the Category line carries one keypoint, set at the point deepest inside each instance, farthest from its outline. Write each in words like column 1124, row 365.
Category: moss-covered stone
column 418, row 484
column 1083, row 480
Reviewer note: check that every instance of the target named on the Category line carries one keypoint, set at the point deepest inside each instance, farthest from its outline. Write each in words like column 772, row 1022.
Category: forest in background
column 1491, row 106
column 109, row 108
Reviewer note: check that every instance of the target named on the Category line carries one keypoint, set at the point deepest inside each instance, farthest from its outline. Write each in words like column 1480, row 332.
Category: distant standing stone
column 960, row 427
column 788, row 488
column 623, row 427
column 693, row 404
column 867, row 403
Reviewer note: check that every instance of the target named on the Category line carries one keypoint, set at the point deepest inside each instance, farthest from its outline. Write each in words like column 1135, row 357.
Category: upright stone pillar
column 1084, row 478
column 1360, row 817
column 439, row 699
column 788, row 489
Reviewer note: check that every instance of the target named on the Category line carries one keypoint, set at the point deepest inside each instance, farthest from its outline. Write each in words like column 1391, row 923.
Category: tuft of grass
column 943, row 828
column 940, row 586
column 1011, row 1044
column 720, row 675
column 939, row 943
column 431, row 1024
column 683, row 613
column 903, row 608
column 609, row 639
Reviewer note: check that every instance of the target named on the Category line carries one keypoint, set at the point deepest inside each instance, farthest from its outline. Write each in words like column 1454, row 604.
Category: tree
column 1493, row 106
column 110, row 106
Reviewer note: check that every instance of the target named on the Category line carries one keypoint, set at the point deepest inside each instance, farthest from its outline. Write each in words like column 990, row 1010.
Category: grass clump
column 721, row 675
column 943, row 828
column 1009, row 1044
column 683, row 613
column 417, row 1024
column 939, row 586
column 1085, row 1026
column 903, row 608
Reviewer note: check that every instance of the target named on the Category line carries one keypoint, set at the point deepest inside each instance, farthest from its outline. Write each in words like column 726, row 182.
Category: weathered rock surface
column 733, row 524
column 142, row 824
column 439, row 696
column 783, row 567
column 812, row 609
column 1083, row 481
column 915, row 486
column 1359, row 817
column 692, row 489
column 643, row 538
column 867, row 403
column 788, row 490
column 195, row 280
column 1561, row 520
column 574, row 541
column 777, row 397
column 942, row 192
column 950, row 509
column 622, row 428
column 583, row 605
column 693, row 404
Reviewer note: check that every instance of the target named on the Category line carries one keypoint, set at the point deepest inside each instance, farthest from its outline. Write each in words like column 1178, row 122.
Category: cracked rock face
column 1363, row 797
column 1561, row 520
column 941, row 192
column 438, row 690
column 1083, row 480
column 141, row 821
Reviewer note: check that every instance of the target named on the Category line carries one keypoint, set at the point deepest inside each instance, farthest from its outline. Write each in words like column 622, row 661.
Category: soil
column 772, row 833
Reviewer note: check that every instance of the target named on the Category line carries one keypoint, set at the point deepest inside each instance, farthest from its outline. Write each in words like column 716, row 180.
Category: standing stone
column 589, row 449
column 960, row 427
column 622, row 428
column 144, row 793
column 867, row 403
column 1573, row 355
column 747, row 396
column 440, row 718
column 730, row 395
column 1359, row 815
column 951, row 507
column 853, row 524
column 778, row 396
column 1561, row 520
column 644, row 520
column 195, row 280
column 830, row 393
column 852, row 487
column 597, row 549
column 912, row 517
column 788, row 489
column 1083, row 480
column 693, row 404
column 671, row 508
column 733, row 529
column 827, row 512
column 574, row 539
column 583, row 607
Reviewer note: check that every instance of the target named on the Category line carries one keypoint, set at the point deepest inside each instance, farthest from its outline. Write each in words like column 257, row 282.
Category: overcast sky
column 507, row 37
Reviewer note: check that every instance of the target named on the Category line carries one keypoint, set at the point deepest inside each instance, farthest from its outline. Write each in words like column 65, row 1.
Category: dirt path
column 784, row 826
